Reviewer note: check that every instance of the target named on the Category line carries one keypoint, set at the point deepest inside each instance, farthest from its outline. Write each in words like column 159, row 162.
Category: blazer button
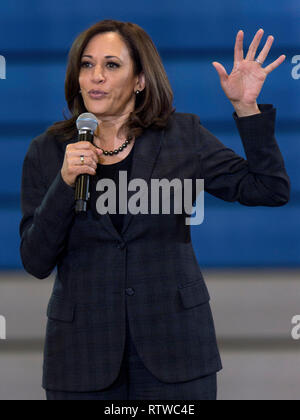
column 121, row 245
column 130, row 291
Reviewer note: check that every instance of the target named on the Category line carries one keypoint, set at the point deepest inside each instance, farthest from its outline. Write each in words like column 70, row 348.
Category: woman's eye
column 110, row 65
column 113, row 65
column 85, row 64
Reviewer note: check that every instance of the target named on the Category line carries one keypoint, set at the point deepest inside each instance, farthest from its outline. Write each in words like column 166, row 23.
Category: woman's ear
column 141, row 83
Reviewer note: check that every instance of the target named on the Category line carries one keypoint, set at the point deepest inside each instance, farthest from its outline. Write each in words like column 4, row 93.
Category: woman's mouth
column 97, row 94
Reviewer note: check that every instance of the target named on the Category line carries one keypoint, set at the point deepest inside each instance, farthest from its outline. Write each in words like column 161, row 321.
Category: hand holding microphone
column 72, row 166
column 81, row 160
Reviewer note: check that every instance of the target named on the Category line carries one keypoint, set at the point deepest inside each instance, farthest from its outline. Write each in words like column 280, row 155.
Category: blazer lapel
column 145, row 155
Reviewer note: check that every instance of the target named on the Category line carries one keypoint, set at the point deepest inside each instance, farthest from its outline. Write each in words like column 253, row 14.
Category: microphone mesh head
column 87, row 121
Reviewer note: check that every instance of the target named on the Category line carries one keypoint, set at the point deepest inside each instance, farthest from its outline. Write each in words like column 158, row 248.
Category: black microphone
column 86, row 124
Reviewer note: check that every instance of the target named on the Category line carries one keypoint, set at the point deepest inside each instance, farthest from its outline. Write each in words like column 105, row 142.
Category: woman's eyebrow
column 107, row 56
column 112, row 56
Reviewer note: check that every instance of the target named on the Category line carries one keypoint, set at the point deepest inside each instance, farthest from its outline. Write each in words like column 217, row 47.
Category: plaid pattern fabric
column 149, row 268
column 136, row 382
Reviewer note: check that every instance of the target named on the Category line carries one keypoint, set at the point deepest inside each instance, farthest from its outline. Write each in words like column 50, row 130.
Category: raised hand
column 243, row 86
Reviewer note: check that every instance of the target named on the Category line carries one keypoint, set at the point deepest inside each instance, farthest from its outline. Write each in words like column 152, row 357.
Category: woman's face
column 106, row 66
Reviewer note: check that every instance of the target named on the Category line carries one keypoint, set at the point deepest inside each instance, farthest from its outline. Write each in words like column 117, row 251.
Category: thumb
column 221, row 71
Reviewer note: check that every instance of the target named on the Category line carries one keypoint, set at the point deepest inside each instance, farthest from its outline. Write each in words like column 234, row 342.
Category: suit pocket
column 60, row 309
column 194, row 294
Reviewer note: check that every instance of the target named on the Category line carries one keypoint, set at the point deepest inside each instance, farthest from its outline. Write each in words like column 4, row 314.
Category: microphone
column 86, row 124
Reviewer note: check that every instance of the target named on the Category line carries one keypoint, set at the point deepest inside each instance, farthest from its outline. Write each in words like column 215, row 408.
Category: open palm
column 247, row 78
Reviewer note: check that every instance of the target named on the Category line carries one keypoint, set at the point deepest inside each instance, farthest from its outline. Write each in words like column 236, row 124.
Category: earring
column 137, row 92
column 80, row 91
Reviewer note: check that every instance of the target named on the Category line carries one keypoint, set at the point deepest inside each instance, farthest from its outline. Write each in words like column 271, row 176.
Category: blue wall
column 35, row 37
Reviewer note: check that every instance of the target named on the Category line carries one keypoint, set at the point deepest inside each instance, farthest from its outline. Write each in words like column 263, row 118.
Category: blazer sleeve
column 261, row 180
column 47, row 215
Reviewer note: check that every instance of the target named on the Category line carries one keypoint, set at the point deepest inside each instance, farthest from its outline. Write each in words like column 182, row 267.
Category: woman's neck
column 107, row 135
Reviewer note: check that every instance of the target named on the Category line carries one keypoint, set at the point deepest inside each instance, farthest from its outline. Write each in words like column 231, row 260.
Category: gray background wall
column 252, row 310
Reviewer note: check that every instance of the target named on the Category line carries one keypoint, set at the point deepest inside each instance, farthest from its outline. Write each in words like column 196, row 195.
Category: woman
column 129, row 316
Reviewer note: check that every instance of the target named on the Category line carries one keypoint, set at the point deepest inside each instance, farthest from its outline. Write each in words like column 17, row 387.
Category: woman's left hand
column 244, row 84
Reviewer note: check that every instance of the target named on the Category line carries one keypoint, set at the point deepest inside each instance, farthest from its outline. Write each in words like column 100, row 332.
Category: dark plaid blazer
column 150, row 267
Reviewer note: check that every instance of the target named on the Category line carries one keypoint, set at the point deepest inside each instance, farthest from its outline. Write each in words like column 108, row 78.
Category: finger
column 85, row 152
column 88, row 161
column 221, row 71
column 238, row 50
column 83, row 145
column 254, row 45
column 265, row 51
column 84, row 169
column 275, row 64
column 88, row 148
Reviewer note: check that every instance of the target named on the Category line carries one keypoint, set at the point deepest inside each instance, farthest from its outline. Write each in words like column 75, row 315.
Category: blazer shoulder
column 44, row 144
column 184, row 120
column 45, row 154
column 46, row 140
column 183, row 123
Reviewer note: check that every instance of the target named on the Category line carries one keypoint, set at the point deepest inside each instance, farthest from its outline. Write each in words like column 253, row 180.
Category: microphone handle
column 82, row 193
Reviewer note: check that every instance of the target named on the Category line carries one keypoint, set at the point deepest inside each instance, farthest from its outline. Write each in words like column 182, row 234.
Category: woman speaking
column 129, row 316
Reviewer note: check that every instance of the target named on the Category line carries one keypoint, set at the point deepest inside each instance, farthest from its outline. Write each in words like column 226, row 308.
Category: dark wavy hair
column 154, row 104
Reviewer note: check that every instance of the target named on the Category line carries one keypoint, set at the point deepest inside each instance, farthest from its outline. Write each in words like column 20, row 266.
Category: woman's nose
column 98, row 74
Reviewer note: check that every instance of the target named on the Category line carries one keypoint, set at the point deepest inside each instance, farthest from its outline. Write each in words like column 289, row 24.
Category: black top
column 112, row 172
